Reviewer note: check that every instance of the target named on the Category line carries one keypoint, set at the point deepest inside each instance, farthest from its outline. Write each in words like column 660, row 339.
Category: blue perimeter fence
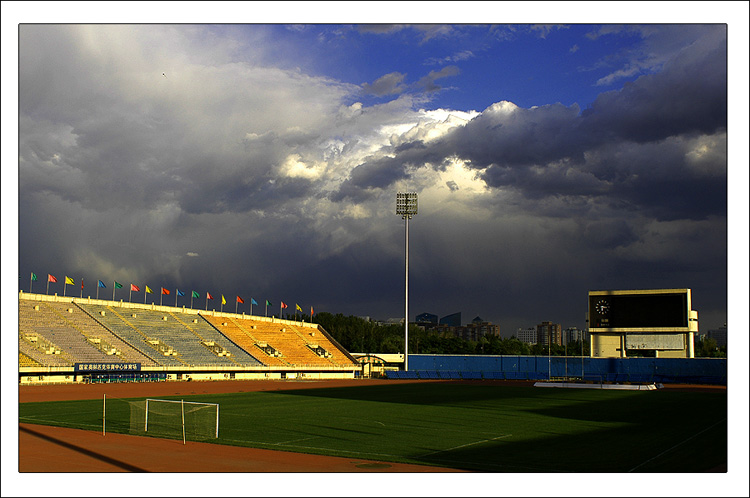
column 637, row 370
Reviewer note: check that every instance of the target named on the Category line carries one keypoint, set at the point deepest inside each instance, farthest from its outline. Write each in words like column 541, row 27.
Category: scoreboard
column 639, row 310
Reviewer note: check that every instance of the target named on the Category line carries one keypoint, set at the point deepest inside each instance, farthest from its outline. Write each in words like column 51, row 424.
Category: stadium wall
column 665, row 370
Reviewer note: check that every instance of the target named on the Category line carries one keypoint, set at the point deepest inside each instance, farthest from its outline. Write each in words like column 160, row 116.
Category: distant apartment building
column 548, row 332
column 719, row 335
column 573, row 334
column 451, row 325
column 424, row 318
column 526, row 335
column 452, row 320
column 477, row 329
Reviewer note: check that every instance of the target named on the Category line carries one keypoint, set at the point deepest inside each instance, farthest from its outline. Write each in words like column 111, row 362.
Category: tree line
column 359, row 335
column 356, row 334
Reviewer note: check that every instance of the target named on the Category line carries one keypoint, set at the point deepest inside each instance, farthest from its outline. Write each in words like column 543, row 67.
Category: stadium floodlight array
column 406, row 206
column 162, row 418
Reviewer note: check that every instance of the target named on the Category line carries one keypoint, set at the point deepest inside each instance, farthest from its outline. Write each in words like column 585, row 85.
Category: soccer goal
column 162, row 418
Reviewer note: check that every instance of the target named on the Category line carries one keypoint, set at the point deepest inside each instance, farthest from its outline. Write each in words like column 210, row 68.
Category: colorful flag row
column 164, row 292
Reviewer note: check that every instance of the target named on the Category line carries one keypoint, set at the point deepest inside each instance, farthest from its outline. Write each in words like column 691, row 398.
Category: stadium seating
column 99, row 336
column 242, row 336
column 297, row 346
column 25, row 361
column 187, row 341
column 48, row 330
column 208, row 334
column 118, row 321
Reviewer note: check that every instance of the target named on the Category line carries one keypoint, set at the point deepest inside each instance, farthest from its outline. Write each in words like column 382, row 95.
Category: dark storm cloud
column 381, row 172
column 388, row 84
column 687, row 96
column 427, row 83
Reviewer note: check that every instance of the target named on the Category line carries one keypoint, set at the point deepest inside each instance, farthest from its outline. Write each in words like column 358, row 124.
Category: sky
column 263, row 161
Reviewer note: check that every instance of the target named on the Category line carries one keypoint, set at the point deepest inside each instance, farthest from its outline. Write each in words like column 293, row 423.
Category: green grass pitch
column 487, row 428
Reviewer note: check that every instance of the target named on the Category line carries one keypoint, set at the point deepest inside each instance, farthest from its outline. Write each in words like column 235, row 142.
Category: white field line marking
column 678, row 444
column 465, row 445
column 57, row 423
column 267, row 445
column 281, row 443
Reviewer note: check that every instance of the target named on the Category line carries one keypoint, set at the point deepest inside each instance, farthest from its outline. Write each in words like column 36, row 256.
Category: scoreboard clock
column 639, row 309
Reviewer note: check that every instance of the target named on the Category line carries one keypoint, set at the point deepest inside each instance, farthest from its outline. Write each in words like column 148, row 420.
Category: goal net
column 161, row 418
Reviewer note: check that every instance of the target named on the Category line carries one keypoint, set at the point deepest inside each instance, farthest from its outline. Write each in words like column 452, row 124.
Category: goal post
column 190, row 418
column 173, row 419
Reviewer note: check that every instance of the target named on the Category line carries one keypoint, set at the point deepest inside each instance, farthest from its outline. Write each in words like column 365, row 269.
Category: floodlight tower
column 406, row 206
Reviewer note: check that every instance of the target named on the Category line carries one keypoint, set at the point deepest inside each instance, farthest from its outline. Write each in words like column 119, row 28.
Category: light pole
column 406, row 206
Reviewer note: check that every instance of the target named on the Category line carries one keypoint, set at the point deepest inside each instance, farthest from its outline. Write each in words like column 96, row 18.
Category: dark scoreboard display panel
column 646, row 310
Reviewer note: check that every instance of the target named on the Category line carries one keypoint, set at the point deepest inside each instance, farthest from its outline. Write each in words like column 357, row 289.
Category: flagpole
column 161, row 297
column 81, row 287
column 31, row 279
column 145, row 294
column 206, row 301
column 176, row 290
column 113, row 289
column 236, row 303
column 130, row 295
column 48, row 285
column 97, row 291
column 191, row 299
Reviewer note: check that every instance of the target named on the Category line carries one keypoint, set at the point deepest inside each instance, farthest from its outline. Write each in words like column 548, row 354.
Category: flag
column 101, row 284
column 268, row 303
column 148, row 290
column 165, row 291
column 209, row 296
column 223, row 301
column 252, row 301
column 33, row 277
column 195, row 294
column 180, row 293
column 298, row 307
column 134, row 288
column 69, row 281
column 51, row 278
column 283, row 305
column 240, row 300
column 118, row 285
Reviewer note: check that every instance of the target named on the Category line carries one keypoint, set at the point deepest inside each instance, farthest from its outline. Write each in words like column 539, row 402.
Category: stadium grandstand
column 69, row 339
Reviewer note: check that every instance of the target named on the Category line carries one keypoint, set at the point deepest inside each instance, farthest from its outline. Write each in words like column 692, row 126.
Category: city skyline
column 263, row 160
